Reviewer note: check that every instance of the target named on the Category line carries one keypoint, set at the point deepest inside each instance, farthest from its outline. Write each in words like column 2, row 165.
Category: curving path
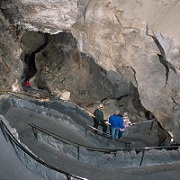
column 11, row 168
column 19, row 118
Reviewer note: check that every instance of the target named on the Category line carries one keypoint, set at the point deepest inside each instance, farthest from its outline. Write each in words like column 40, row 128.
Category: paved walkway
column 11, row 168
column 19, row 118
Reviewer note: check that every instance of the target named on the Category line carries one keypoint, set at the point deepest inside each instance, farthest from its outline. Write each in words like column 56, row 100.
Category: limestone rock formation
column 98, row 49
column 46, row 16
column 135, row 44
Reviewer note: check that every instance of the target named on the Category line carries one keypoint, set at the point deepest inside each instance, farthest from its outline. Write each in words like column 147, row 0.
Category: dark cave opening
column 30, row 60
column 42, row 48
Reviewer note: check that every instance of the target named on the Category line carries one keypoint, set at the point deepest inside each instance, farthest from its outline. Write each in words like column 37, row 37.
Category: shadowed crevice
column 162, row 55
column 30, row 60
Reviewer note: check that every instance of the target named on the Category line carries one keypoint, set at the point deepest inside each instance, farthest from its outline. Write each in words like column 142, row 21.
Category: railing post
column 12, row 101
column 35, row 132
column 142, row 157
column 78, row 151
column 152, row 124
column 0, row 121
column 49, row 111
column 127, row 146
column 69, row 177
column 108, row 141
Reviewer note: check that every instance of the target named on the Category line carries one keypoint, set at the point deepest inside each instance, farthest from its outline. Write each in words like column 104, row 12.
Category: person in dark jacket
column 116, row 122
column 99, row 118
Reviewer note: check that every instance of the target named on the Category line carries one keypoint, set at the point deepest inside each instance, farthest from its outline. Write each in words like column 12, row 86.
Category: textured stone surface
column 136, row 39
column 50, row 16
column 132, row 37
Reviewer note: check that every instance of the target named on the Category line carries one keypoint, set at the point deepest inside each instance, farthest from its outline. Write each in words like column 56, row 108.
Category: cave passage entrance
column 30, row 60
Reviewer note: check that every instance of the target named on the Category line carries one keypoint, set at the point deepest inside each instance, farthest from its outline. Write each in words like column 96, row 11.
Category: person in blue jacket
column 117, row 126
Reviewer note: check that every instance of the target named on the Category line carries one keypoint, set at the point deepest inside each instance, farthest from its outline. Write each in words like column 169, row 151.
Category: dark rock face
column 61, row 66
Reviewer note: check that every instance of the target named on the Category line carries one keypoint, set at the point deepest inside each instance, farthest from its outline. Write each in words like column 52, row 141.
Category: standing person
column 116, row 122
column 121, row 130
column 99, row 118
column 28, row 84
column 126, row 120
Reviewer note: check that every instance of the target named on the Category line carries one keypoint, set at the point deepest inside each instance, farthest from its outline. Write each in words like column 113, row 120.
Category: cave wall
column 133, row 43
column 11, row 65
column 138, row 39
column 60, row 66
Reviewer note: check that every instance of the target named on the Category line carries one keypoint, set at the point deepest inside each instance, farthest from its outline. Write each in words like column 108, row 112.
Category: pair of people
column 116, row 122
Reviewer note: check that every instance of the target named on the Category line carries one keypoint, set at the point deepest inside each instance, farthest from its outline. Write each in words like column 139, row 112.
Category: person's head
column 116, row 112
column 125, row 114
column 101, row 106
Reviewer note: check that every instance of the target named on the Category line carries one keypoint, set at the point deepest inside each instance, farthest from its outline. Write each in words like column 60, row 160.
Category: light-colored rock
column 137, row 39
column 123, row 34
column 47, row 16
column 65, row 96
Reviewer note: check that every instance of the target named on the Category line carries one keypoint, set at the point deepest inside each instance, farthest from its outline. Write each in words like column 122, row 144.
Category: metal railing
column 36, row 128
column 26, row 93
column 8, row 134
column 143, row 150
column 88, row 126
column 101, row 133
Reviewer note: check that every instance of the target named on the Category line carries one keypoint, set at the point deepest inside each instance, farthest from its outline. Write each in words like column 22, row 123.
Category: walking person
column 126, row 120
column 28, row 84
column 117, row 126
column 99, row 118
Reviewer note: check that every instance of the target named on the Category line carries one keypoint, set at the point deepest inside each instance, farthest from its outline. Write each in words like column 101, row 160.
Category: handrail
column 65, row 140
column 120, row 140
column 100, row 149
column 143, row 122
column 26, row 94
column 106, row 150
column 139, row 149
column 68, row 175
column 127, row 144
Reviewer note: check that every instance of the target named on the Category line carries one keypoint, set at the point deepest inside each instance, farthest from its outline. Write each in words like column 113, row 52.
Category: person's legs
column 120, row 134
column 104, row 127
column 96, row 124
column 116, row 132
column 112, row 132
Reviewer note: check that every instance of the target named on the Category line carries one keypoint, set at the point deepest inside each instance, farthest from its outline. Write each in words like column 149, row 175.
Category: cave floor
column 20, row 118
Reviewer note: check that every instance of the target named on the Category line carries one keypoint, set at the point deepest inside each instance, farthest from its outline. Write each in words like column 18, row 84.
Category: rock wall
column 10, row 64
column 137, row 39
column 126, row 37
column 61, row 66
